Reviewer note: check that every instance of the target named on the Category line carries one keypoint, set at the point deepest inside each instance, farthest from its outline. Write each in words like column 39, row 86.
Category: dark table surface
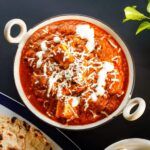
column 109, row 11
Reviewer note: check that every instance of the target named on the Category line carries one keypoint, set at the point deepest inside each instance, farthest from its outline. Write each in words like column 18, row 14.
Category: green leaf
column 131, row 13
column 143, row 26
column 148, row 6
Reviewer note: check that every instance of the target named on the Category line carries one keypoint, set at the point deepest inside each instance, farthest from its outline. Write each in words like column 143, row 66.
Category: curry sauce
column 74, row 72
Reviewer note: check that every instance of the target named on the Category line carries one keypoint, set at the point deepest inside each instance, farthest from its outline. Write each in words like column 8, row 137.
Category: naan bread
column 19, row 135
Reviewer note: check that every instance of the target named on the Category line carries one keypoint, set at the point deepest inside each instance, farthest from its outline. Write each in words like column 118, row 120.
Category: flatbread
column 16, row 134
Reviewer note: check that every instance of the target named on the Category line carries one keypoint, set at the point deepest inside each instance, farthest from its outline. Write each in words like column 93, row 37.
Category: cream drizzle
column 44, row 46
column 85, row 31
column 40, row 58
column 102, row 75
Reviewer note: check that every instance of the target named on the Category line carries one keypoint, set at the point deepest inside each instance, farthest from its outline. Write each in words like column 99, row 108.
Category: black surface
column 109, row 11
column 53, row 133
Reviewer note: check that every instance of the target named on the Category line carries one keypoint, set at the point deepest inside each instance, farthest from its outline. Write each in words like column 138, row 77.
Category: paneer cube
column 65, row 110
column 64, row 58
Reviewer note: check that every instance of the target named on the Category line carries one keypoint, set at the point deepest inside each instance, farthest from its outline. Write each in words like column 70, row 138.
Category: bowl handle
column 8, row 27
column 138, row 112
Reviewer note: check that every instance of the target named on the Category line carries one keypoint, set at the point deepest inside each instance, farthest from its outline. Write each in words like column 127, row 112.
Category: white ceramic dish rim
column 43, row 117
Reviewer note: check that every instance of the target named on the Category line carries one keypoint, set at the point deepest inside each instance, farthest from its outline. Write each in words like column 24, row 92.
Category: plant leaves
column 131, row 13
column 143, row 26
column 148, row 6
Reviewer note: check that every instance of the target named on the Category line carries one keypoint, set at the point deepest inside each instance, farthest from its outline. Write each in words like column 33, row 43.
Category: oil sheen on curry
column 74, row 72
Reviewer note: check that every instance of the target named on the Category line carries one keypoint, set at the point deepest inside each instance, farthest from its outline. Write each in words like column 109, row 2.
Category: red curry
column 74, row 72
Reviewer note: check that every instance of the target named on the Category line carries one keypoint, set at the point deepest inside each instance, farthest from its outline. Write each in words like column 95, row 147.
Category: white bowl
column 130, row 144
column 127, row 103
